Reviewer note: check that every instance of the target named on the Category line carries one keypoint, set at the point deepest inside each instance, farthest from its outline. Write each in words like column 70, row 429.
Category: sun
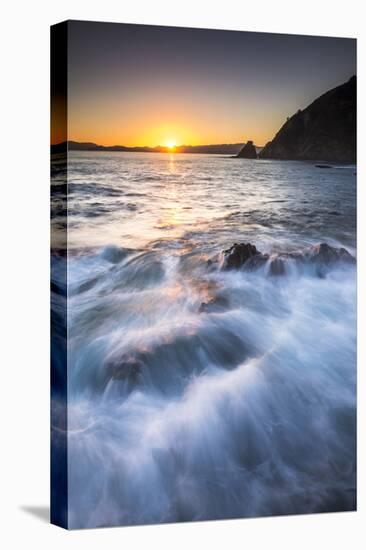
column 170, row 143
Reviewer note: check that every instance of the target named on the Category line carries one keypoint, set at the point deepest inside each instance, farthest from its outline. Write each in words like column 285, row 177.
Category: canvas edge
column 58, row 260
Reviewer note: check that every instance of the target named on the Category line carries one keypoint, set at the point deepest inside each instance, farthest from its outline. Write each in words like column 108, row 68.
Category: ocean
column 195, row 392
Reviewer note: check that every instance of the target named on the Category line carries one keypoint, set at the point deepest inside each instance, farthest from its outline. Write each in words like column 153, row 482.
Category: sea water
column 196, row 393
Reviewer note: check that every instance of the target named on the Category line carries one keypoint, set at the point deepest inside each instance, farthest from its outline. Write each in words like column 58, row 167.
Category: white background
column 24, row 272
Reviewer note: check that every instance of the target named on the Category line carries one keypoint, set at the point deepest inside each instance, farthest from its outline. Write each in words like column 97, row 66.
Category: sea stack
column 248, row 151
column 325, row 130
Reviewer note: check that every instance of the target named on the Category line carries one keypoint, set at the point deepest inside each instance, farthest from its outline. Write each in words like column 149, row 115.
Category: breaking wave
column 206, row 380
column 198, row 393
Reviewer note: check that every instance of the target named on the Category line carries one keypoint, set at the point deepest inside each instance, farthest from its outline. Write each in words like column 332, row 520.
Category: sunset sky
column 146, row 85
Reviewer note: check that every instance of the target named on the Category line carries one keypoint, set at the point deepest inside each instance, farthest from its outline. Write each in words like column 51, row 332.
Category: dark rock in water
column 257, row 261
column 216, row 304
column 277, row 267
column 246, row 256
column 248, row 151
column 325, row 130
column 325, row 254
column 239, row 254
column 323, row 166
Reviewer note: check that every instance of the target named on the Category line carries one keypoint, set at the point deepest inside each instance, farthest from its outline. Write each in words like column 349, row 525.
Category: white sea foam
column 196, row 393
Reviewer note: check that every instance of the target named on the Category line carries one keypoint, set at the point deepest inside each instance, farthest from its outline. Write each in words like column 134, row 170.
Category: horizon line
column 153, row 146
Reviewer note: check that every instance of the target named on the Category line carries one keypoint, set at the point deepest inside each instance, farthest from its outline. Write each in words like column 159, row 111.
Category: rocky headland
column 325, row 130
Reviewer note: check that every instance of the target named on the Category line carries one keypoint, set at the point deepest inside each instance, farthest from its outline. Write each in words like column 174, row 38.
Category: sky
column 149, row 85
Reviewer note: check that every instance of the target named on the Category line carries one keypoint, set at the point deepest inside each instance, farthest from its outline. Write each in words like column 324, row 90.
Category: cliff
column 325, row 130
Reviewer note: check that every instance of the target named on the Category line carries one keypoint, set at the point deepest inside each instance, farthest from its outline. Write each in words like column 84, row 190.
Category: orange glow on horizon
column 167, row 126
column 154, row 138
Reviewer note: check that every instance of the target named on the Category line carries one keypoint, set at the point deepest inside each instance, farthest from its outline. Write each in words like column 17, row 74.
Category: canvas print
column 203, row 216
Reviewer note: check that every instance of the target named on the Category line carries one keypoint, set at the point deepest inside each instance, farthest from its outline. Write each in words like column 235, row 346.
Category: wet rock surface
column 323, row 253
column 239, row 254
column 214, row 305
column 247, row 256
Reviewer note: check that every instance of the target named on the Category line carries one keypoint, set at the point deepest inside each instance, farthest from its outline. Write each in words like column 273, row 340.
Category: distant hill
column 325, row 130
column 220, row 149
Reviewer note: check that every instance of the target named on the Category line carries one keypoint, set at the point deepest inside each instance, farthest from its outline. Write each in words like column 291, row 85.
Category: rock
column 246, row 255
column 216, row 304
column 236, row 256
column 325, row 130
column 248, row 151
column 257, row 261
column 277, row 267
column 325, row 254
